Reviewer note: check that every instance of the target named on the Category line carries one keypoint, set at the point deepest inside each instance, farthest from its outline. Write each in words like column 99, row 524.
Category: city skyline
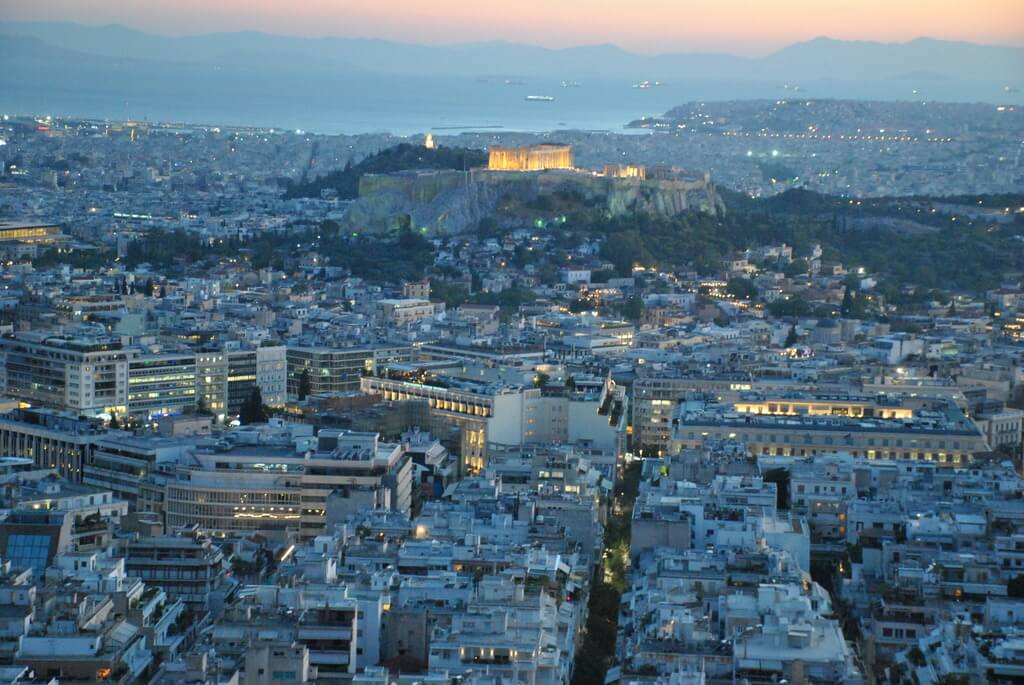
column 665, row 27
column 534, row 343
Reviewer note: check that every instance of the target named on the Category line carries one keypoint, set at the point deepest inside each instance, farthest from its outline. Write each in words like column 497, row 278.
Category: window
column 281, row 675
column 29, row 551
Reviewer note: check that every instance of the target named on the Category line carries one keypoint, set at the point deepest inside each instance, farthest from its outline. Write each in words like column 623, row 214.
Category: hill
column 402, row 157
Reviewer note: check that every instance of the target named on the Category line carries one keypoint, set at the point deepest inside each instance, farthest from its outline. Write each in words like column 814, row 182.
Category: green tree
column 847, row 306
column 252, row 410
column 797, row 267
column 304, row 384
column 632, row 308
column 741, row 288
column 541, row 379
column 579, row 305
column 792, row 337
column 203, row 407
column 792, row 306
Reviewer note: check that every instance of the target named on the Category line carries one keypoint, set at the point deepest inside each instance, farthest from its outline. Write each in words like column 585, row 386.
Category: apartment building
column 402, row 312
column 185, row 565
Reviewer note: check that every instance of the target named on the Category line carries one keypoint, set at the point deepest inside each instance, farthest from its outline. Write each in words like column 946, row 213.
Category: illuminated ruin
column 530, row 158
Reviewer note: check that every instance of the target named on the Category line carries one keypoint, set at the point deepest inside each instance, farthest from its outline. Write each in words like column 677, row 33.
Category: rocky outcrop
column 656, row 197
column 450, row 202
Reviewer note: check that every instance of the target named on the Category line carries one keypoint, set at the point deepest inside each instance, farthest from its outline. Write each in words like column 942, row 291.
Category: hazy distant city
column 352, row 361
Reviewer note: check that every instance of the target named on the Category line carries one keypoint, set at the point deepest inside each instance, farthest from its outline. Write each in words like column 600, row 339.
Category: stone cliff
column 450, row 202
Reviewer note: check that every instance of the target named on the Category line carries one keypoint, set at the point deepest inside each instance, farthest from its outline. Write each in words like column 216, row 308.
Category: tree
column 741, row 288
column 304, row 384
column 632, row 308
column 252, row 410
column 114, row 423
column 796, row 267
column 203, row 407
column 541, row 379
column 579, row 305
column 847, row 305
column 792, row 337
column 791, row 306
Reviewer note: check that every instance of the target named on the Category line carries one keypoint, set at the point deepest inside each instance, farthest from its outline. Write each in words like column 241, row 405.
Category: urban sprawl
column 279, row 408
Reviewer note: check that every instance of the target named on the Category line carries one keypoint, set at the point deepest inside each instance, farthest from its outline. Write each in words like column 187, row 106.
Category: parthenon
column 531, row 158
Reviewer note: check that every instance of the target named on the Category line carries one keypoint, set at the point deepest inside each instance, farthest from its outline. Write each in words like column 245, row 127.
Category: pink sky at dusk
column 733, row 26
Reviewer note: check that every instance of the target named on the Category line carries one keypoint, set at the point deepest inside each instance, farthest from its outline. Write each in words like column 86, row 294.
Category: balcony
column 328, row 658
column 325, row 633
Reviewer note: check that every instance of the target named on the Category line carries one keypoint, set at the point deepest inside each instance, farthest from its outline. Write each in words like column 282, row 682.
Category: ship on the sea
column 644, row 85
column 540, row 98
column 571, row 84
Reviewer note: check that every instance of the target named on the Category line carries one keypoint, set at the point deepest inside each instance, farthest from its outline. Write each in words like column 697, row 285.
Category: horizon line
column 504, row 41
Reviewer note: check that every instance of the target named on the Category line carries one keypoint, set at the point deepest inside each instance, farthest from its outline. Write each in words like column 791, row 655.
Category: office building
column 807, row 425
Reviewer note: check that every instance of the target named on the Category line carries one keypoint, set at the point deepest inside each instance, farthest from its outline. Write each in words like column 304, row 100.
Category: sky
column 747, row 27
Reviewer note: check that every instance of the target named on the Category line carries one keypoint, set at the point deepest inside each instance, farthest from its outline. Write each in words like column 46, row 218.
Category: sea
column 413, row 105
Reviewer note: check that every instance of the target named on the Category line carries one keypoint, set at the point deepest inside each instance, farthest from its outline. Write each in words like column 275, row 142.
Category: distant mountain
column 829, row 58
column 820, row 58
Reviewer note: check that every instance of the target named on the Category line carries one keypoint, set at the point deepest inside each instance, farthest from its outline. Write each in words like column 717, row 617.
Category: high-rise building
column 85, row 375
column 334, row 370
column 161, row 384
column 99, row 376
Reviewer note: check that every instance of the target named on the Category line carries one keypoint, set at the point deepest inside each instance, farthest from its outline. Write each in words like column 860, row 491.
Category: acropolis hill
column 448, row 202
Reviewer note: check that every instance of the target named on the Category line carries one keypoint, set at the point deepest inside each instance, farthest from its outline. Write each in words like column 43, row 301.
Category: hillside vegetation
column 402, row 157
column 959, row 251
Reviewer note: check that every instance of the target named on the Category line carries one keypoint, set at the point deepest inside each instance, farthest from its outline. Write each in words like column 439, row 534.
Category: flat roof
column 11, row 224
